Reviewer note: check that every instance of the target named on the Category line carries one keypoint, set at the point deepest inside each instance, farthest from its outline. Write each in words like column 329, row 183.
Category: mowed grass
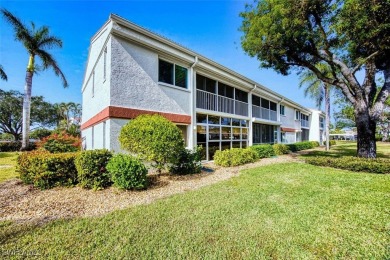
column 281, row 211
column 8, row 165
column 346, row 148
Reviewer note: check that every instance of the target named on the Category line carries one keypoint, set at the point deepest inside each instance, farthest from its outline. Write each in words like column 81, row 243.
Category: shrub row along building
column 132, row 71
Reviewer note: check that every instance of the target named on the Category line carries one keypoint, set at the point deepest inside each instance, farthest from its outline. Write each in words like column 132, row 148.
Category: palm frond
column 3, row 76
column 21, row 31
column 50, row 42
column 50, row 62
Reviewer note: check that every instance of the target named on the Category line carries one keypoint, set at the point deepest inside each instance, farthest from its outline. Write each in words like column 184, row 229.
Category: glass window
column 297, row 115
column 256, row 100
column 165, row 72
column 214, row 133
column 214, row 120
column 236, row 144
column 244, row 144
column 282, row 110
column 225, row 90
column 226, row 133
column 244, row 132
column 243, row 122
column 225, row 146
column 201, row 118
column 241, row 96
column 225, row 120
column 201, row 134
column 213, row 147
column 180, row 76
column 272, row 106
column 265, row 103
column 236, row 133
column 236, row 122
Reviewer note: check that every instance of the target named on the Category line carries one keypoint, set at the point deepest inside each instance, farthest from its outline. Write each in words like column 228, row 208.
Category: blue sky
column 207, row 27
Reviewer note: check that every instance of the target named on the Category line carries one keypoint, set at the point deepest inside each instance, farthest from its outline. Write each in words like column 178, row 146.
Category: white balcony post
column 250, row 130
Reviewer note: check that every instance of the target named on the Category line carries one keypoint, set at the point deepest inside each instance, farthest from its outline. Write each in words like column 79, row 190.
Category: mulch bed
column 22, row 203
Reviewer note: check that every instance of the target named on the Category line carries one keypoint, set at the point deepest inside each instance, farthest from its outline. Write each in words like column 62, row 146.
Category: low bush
column 91, row 169
column 352, row 163
column 280, row 149
column 14, row 146
column 127, row 172
column 332, row 142
column 45, row 170
column 299, row 146
column 60, row 143
column 189, row 162
column 315, row 143
column 235, row 156
column 263, row 150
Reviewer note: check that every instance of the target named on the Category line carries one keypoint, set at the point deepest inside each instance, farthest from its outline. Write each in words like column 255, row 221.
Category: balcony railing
column 214, row 102
column 264, row 113
column 304, row 123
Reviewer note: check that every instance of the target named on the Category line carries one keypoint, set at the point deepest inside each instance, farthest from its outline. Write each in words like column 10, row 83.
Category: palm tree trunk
column 27, row 104
column 327, row 116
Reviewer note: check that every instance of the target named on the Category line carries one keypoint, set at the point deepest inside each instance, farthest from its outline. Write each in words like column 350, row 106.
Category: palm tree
column 319, row 91
column 3, row 76
column 36, row 41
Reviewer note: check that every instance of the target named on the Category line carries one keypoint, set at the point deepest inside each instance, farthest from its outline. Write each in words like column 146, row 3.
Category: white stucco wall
column 288, row 120
column 133, row 80
column 116, row 125
column 97, row 97
column 314, row 134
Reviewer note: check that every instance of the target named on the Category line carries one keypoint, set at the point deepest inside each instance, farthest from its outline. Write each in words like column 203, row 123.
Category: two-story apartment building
column 132, row 71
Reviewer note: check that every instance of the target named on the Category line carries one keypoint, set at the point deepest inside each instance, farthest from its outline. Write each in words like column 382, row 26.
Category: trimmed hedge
column 280, row 149
column 263, row 150
column 45, row 170
column 299, row 146
column 127, row 172
column 235, row 156
column 14, row 146
column 351, row 163
column 91, row 169
column 189, row 162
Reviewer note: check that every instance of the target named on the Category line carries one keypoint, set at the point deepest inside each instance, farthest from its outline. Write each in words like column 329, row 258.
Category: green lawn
column 282, row 211
column 7, row 159
column 345, row 148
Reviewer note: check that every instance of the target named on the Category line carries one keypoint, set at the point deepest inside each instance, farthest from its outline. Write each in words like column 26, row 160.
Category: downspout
column 192, row 132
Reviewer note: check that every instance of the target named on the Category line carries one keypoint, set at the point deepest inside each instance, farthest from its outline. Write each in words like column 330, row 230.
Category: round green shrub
column 127, row 172
column 153, row 138
column 91, row 169
column 263, row 150
column 235, row 157
column 189, row 162
column 280, row 149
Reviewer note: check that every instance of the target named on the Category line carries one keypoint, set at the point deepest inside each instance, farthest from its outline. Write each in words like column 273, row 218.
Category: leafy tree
column 3, row 76
column 319, row 91
column 347, row 35
column 42, row 113
column 153, row 138
column 69, row 117
column 36, row 41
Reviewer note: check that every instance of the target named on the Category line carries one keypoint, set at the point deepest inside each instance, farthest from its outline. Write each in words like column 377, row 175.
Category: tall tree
column 347, row 35
column 36, row 41
column 3, row 76
column 43, row 114
column 319, row 91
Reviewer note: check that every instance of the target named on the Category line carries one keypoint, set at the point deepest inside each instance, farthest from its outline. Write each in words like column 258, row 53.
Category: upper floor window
column 321, row 122
column 297, row 115
column 206, row 84
column 171, row 73
column 241, row 96
column 304, row 117
column 282, row 110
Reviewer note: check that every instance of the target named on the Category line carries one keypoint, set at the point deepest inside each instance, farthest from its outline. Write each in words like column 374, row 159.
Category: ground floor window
column 305, row 135
column 264, row 134
column 220, row 133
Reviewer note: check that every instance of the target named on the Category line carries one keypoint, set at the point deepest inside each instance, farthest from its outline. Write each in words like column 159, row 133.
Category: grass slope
column 293, row 211
column 6, row 160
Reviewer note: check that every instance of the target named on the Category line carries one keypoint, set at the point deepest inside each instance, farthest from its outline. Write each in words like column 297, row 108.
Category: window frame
column 174, row 64
column 282, row 111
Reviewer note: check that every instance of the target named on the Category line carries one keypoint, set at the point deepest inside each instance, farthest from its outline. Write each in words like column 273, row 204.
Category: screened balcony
column 216, row 96
column 264, row 109
column 214, row 102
